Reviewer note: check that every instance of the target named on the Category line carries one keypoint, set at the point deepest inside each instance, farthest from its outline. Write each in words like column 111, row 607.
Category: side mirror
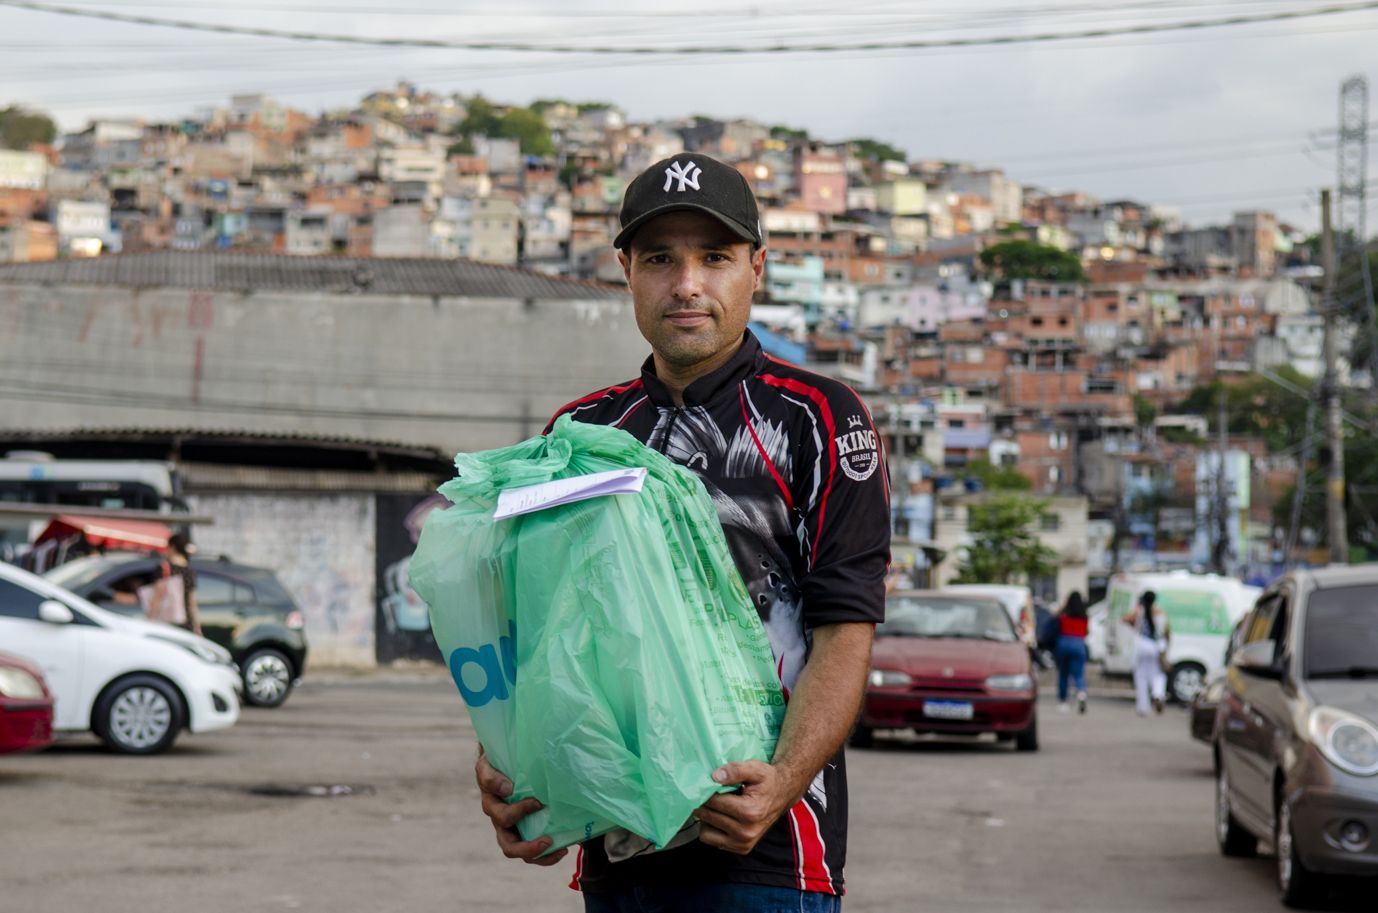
column 55, row 613
column 1259, row 660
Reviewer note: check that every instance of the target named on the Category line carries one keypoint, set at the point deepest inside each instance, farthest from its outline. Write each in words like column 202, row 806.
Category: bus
column 30, row 477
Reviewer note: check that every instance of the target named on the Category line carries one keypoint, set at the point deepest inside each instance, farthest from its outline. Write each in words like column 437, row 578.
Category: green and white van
column 1202, row 610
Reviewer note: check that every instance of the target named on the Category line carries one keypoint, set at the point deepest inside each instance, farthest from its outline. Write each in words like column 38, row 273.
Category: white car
column 136, row 684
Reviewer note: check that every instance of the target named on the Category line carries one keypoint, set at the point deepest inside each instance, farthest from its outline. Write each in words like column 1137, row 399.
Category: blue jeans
column 711, row 898
column 1070, row 654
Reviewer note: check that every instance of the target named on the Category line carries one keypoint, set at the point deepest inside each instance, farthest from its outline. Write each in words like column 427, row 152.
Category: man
column 794, row 467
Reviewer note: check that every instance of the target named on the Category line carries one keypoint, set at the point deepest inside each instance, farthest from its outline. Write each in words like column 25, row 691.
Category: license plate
column 948, row 710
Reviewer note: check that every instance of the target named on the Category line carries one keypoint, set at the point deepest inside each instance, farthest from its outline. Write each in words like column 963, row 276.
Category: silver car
column 1296, row 739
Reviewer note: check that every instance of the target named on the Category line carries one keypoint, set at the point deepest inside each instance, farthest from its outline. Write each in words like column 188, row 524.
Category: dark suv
column 244, row 609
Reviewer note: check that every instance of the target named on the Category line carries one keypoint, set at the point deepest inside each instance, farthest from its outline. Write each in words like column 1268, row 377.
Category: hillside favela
column 1125, row 453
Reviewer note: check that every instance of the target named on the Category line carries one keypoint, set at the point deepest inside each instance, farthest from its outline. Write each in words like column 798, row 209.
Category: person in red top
column 1070, row 651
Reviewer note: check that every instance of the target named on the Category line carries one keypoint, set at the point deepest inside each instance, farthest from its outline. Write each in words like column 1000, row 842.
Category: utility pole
column 1336, row 534
column 1220, row 554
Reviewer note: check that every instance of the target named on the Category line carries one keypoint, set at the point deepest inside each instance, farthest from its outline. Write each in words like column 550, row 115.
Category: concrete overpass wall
column 452, row 372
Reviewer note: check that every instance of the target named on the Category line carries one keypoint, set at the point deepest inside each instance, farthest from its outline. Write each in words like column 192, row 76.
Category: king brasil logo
column 858, row 452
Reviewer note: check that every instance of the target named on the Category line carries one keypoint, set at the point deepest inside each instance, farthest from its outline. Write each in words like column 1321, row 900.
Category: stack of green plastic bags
column 607, row 650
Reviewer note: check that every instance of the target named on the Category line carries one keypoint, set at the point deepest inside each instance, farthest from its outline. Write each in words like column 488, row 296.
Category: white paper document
column 530, row 498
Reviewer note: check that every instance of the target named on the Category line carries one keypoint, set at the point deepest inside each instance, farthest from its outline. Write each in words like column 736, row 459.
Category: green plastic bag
column 607, row 650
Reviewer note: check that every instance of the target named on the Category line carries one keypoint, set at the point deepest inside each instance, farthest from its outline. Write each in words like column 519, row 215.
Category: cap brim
column 635, row 225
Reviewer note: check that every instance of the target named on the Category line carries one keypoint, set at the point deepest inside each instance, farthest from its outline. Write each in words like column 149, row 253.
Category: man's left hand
column 737, row 821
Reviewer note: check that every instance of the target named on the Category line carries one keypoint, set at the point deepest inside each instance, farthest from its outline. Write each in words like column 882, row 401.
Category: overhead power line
column 687, row 50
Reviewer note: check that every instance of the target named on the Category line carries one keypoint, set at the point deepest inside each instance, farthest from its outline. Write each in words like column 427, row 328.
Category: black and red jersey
column 795, row 469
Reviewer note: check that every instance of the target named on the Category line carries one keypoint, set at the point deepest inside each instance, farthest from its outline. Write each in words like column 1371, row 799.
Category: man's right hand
column 494, row 788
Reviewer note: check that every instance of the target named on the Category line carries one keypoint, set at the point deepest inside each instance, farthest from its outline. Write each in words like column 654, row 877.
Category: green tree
column 1004, row 548
column 463, row 146
column 20, row 128
column 997, row 478
column 789, row 134
column 1255, row 405
column 1018, row 259
column 529, row 128
column 877, row 151
column 481, row 118
column 1144, row 411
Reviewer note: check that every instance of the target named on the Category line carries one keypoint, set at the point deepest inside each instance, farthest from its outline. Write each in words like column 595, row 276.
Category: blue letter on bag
column 496, row 673
column 486, row 658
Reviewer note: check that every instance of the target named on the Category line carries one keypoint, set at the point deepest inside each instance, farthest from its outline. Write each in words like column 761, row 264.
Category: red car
column 26, row 706
column 949, row 663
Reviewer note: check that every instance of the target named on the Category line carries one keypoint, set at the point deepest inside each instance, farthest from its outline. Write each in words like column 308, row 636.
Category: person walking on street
column 1150, row 646
column 1070, row 652
column 179, row 552
column 793, row 464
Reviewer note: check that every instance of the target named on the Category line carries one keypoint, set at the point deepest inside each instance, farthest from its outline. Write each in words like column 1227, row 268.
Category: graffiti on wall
column 321, row 547
column 403, row 626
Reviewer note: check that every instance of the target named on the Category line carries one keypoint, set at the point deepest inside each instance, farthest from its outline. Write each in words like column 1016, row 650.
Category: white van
column 1017, row 600
column 1202, row 610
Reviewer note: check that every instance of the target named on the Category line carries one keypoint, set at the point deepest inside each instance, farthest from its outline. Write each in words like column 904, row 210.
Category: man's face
column 691, row 281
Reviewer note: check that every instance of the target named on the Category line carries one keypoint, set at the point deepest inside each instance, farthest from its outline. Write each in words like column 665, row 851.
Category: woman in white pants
column 1150, row 681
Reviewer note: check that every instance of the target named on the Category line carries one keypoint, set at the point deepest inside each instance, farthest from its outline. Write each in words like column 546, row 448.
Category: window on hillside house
column 1054, row 474
column 1036, row 321
column 1049, row 523
column 949, row 512
column 956, row 423
column 1058, row 440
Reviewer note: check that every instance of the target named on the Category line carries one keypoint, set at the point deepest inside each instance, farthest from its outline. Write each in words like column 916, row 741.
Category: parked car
column 26, row 706
column 1017, row 600
column 949, row 663
column 136, row 684
column 1097, row 620
column 1205, row 704
column 1203, row 708
column 1296, row 746
column 1201, row 609
column 244, row 609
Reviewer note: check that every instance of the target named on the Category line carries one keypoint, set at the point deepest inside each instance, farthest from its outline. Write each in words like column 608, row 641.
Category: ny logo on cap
column 687, row 173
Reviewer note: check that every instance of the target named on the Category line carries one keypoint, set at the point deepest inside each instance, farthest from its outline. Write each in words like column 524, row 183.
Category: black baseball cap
column 694, row 182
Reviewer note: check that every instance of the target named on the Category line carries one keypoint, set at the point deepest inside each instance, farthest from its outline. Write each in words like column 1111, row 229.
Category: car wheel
column 141, row 714
column 1298, row 886
column 1185, row 681
column 1027, row 738
column 267, row 678
column 1233, row 839
column 862, row 737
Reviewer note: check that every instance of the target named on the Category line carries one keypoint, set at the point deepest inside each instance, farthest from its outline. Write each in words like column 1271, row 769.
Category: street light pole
column 1337, row 538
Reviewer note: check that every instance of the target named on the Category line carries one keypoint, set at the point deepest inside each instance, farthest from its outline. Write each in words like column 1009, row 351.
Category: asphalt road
column 1114, row 813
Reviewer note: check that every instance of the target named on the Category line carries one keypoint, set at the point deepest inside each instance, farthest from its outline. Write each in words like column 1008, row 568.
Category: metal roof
column 200, row 478
column 338, row 275
column 11, row 436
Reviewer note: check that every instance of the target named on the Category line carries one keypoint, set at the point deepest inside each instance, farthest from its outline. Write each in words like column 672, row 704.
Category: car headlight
column 1347, row 741
column 888, row 678
column 1020, row 682
column 207, row 652
column 20, row 684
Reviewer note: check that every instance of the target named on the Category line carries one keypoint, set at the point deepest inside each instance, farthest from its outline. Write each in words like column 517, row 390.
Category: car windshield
column 76, row 574
column 1342, row 633
column 946, row 617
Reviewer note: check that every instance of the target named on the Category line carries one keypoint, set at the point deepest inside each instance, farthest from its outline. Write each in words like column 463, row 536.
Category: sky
column 1206, row 120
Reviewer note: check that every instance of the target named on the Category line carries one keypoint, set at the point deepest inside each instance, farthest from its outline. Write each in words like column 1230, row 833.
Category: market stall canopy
column 98, row 531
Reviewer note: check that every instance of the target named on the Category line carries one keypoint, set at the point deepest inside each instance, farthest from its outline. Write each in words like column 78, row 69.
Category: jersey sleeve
column 845, row 506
